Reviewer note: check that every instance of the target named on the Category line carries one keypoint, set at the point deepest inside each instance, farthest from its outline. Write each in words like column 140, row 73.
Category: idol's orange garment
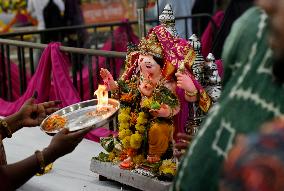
column 159, row 137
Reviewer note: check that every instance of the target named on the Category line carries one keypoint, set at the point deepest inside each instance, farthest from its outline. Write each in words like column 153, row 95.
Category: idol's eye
column 141, row 59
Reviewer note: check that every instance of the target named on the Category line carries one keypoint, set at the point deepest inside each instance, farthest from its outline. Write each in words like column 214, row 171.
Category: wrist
column 114, row 85
column 5, row 129
column 14, row 122
column 171, row 113
column 50, row 155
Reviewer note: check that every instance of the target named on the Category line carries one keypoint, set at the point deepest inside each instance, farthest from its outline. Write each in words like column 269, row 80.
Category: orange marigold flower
column 126, row 97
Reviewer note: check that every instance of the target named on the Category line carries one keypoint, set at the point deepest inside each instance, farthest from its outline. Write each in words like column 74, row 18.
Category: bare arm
column 62, row 143
column 27, row 168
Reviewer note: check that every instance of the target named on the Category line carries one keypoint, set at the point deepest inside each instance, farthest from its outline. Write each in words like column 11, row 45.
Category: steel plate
column 78, row 118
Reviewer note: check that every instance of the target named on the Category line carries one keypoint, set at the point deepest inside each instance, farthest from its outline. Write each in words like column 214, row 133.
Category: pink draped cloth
column 41, row 82
column 207, row 36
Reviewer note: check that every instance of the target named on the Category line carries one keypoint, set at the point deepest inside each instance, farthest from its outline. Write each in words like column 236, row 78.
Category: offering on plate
column 54, row 122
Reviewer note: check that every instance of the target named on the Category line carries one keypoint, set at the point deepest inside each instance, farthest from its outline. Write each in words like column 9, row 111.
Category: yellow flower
column 111, row 156
column 123, row 126
column 146, row 103
column 168, row 167
column 126, row 142
column 168, row 171
column 124, row 133
column 140, row 128
column 136, row 140
column 142, row 118
column 123, row 118
column 138, row 159
column 125, row 110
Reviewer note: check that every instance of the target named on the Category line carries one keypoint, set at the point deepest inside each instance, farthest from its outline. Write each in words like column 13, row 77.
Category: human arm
column 62, row 143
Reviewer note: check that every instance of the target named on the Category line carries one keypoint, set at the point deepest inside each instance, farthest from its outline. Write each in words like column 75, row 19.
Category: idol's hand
column 108, row 79
column 185, row 82
column 164, row 111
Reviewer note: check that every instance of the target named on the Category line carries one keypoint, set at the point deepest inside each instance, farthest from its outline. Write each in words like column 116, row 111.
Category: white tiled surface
column 70, row 173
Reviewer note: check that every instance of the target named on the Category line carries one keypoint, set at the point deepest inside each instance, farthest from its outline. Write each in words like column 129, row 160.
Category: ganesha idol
column 159, row 83
column 146, row 91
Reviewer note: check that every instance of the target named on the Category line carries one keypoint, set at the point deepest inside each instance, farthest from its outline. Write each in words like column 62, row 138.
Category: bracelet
column 191, row 94
column 40, row 159
column 4, row 126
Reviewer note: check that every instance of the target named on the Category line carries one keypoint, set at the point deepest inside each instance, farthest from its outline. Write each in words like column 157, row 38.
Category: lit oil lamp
column 102, row 96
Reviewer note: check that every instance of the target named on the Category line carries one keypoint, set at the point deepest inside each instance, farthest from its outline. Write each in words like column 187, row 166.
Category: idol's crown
column 151, row 45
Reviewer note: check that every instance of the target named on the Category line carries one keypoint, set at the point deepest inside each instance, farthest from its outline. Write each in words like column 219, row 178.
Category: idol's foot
column 153, row 158
column 127, row 163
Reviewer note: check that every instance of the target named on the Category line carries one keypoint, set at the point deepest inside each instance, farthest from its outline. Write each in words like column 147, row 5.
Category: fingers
column 184, row 137
column 50, row 104
column 181, row 145
column 80, row 134
column 51, row 110
column 30, row 101
column 179, row 154
column 104, row 73
column 64, row 131
column 153, row 112
column 164, row 106
column 178, row 74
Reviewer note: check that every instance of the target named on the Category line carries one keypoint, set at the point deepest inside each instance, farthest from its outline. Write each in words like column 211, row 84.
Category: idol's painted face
column 148, row 66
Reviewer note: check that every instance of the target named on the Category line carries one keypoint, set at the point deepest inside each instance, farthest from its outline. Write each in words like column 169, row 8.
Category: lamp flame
column 102, row 95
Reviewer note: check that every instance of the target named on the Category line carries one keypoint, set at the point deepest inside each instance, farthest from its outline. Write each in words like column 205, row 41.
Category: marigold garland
column 126, row 142
column 136, row 140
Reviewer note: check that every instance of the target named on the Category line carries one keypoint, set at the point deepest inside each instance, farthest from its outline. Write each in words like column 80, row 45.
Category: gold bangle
column 191, row 94
column 40, row 159
column 4, row 125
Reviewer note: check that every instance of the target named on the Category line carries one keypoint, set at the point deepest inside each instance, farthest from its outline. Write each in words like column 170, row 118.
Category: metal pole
column 141, row 5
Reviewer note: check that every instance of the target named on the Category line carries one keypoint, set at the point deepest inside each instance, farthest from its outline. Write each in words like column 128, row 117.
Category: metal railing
column 94, row 30
column 20, row 48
